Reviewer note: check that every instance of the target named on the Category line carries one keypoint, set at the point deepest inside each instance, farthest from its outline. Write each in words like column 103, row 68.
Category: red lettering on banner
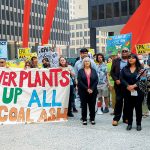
column 65, row 75
column 1, row 75
column 5, row 78
column 12, row 77
column 23, row 76
column 45, row 78
column 56, row 71
column 30, row 80
column 37, row 79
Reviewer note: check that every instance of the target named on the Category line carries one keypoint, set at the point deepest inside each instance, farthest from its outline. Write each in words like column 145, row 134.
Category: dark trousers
column 148, row 100
column 121, row 104
column 134, row 102
column 89, row 99
column 71, row 99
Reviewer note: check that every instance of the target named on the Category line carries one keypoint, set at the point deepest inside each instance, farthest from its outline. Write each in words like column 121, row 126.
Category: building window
column 85, row 26
column 77, row 42
column 4, row 29
column 94, row 12
column 132, row 7
column 97, row 32
column 108, row 10
column 124, row 8
column 116, row 9
column 73, row 35
column 73, row 42
column 85, row 33
column 101, row 11
column 97, row 40
column 85, row 41
column 103, row 49
column 8, row 29
column 77, row 34
column 81, row 42
column 81, row 34
column 78, row 26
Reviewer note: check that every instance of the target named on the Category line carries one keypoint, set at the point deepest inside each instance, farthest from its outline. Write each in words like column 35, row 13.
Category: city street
column 74, row 136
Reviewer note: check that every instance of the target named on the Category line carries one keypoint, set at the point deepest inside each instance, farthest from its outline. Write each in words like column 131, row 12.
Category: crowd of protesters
column 101, row 84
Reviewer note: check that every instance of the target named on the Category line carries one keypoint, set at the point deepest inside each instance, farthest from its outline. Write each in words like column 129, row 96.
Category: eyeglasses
column 124, row 51
column 1, row 62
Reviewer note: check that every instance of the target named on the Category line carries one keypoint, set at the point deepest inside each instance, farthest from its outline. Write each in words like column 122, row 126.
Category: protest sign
column 3, row 49
column 143, row 48
column 116, row 43
column 91, row 52
column 34, row 95
column 44, row 52
column 54, row 62
column 24, row 53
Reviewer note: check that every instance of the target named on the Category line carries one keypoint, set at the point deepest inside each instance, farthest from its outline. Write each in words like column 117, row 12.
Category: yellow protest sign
column 24, row 53
column 143, row 48
column 91, row 51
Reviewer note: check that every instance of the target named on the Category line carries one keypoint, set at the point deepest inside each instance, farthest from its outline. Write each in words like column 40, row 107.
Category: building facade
column 80, row 37
column 78, row 9
column 109, row 13
column 11, row 16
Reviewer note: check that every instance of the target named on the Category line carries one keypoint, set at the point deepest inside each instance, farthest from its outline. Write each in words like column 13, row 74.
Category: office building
column 11, row 16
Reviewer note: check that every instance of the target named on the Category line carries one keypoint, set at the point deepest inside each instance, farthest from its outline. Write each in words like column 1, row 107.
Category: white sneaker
column 99, row 112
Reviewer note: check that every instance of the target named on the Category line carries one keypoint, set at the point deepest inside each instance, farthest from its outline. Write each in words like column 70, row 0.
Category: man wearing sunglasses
column 117, row 65
column 2, row 62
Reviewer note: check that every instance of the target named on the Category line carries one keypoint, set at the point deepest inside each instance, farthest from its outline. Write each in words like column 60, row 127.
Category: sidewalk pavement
column 72, row 135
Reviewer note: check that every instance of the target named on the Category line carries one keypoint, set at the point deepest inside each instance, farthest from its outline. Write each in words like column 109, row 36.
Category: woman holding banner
column 63, row 64
column 87, row 89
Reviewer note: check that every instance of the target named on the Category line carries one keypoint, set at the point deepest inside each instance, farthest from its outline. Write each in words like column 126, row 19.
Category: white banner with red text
column 33, row 95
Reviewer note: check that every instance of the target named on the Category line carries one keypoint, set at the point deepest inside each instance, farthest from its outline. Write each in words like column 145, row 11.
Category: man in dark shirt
column 116, row 68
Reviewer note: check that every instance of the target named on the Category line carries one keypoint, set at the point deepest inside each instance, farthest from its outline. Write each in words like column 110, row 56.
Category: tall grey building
column 109, row 15
column 11, row 16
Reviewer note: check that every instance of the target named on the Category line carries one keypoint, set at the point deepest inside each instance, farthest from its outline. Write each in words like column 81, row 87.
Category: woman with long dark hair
column 63, row 64
column 132, row 93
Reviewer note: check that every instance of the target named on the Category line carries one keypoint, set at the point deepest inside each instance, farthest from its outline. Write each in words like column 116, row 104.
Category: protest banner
column 3, row 49
column 24, row 53
column 116, row 43
column 143, row 48
column 34, row 95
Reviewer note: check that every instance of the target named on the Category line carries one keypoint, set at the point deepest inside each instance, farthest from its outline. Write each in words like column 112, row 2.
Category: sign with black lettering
column 143, row 48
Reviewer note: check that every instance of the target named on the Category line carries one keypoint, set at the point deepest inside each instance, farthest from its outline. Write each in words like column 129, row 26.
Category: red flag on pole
column 50, row 13
column 139, row 25
column 26, row 21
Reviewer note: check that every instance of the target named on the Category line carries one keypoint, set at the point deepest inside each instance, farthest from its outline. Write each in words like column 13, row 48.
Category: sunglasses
column 1, row 62
column 124, row 51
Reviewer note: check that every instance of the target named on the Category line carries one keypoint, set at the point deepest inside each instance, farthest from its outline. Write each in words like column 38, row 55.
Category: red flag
column 52, row 4
column 26, row 21
column 139, row 25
